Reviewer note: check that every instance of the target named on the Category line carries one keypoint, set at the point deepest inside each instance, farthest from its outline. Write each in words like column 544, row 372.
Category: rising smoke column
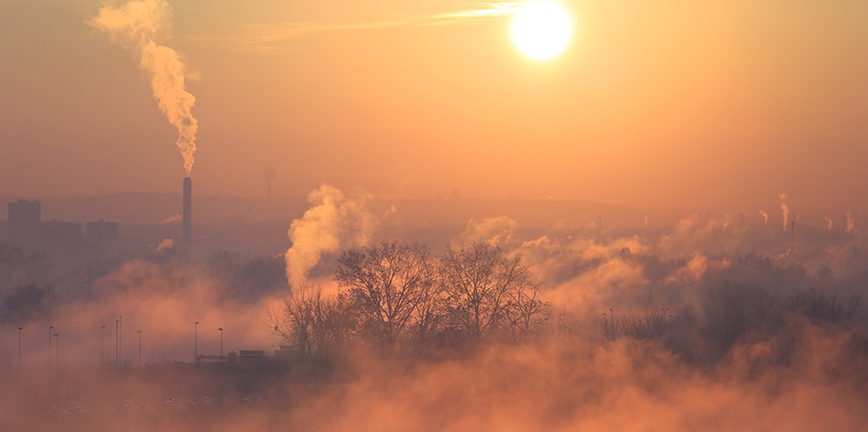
column 136, row 25
column 851, row 224
column 829, row 223
column 765, row 216
column 333, row 222
column 785, row 209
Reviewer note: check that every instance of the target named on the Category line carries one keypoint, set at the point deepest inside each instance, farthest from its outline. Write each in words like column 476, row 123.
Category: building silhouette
column 55, row 233
column 105, row 234
column 26, row 228
column 24, row 221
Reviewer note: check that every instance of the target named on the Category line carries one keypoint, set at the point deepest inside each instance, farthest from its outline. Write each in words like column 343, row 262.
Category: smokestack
column 188, row 209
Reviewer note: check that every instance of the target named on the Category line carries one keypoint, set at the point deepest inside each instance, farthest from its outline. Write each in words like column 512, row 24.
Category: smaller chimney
column 188, row 209
column 269, row 177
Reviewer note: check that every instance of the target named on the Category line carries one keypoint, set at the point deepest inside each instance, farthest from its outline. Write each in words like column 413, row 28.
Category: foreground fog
column 708, row 325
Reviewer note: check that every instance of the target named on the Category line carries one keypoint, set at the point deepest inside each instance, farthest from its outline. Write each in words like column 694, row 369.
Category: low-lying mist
column 707, row 325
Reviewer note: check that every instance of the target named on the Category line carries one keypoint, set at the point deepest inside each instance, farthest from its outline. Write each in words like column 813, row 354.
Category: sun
column 542, row 29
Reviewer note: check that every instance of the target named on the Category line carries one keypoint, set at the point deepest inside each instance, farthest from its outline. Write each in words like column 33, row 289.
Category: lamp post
column 196, row 342
column 56, row 352
column 102, row 347
column 120, row 338
column 117, row 346
column 49, row 344
column 19, row 345
column 221, row 344
column 140, row 347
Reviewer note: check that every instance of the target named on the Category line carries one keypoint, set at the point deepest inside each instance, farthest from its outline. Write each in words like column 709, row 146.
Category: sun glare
column 542, row 29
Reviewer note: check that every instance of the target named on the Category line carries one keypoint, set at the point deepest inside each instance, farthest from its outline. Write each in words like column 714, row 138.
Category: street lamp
column 19, row 345
column 140, row 347
column 221, row 344
column 56, row 351
column 49, row 344
column 196, row 342
column 120, row 338
column 102, row 347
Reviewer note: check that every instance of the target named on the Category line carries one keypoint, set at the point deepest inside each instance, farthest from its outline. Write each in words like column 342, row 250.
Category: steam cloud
column 166, row 244
column 171, row 219
column 496, row 231
column 851, row 224
column 785, row 209
column 136, row 25
column 391, row 210
column 829, row 223
column 333, row 222
column 765, row 216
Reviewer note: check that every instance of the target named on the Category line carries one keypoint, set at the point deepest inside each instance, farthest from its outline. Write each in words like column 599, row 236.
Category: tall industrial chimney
column 188, row 209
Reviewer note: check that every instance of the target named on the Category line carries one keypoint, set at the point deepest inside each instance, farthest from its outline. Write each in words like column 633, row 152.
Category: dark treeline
column 402, row 298
column 32, row 286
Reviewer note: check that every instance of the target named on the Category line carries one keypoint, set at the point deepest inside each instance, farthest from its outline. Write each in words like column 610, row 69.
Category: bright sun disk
column 542, row 29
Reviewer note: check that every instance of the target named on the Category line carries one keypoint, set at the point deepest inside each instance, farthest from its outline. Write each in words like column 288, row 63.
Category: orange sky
column 720, row 105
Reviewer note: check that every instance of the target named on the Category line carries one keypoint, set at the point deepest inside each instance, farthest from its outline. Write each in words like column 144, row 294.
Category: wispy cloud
column 264, row 37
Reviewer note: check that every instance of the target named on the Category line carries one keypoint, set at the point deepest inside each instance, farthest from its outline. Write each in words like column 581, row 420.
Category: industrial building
column 26, row 228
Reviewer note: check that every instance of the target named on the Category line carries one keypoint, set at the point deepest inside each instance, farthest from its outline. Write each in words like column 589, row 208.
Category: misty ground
column 708, row 325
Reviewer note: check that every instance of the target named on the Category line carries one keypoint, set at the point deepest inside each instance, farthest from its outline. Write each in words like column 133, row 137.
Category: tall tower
column 188, row 209
column 269, row 177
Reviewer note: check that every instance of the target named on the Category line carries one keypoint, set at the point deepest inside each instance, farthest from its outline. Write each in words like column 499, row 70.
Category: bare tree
column 388, row 282
column 820, row 306
column 29, row 301
column 528, row 314
column 646, row 324
column 734, row 309
column 316, row 326
column 478, row 280
column 610, row 326
column 11, row 258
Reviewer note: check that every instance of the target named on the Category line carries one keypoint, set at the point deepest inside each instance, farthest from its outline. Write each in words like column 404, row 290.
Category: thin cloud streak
column 267, row 37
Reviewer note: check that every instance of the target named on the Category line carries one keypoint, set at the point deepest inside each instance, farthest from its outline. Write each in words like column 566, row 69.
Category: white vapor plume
column 391, row 210
column 496, row 231
column 166, row 244
column 646, row 222
column 136, row 25
column 725, row 223
column 851, row 224
column 171, row 219
column 829, row 223
column 785, row 209
column 333, row 222
column 765, row 216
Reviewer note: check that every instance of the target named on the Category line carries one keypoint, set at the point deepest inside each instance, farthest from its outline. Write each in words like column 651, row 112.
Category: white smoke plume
column 829, row 223
column 496, row 231
column 725, row 223
column 171, row 219
column 166, row 244
column 785, row 209
column 646, row 222
column 136, row 25
column 390, row 211
column 333, row 222
column 765, row 216
column 851, row 224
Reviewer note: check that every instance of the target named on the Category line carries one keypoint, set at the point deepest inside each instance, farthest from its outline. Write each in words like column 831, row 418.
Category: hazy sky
column 713, row 104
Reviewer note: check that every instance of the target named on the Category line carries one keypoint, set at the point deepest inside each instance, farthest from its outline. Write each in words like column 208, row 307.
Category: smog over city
column 450, row 215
